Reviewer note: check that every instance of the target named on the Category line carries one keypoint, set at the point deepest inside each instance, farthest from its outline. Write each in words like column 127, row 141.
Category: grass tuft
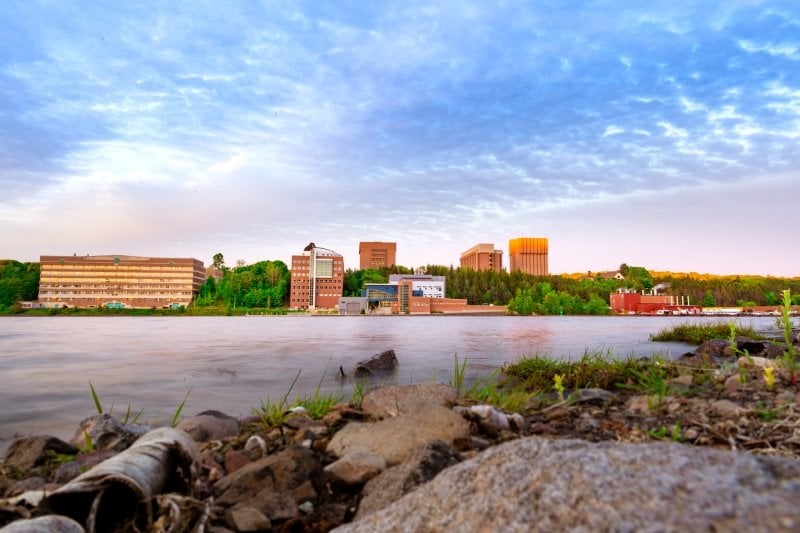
column 698, row 333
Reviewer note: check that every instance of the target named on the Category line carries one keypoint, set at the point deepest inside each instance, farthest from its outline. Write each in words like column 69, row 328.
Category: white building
column 422, row 284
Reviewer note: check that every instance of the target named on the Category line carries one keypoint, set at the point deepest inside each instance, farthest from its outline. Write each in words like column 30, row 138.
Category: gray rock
column 422, row 466
column 489, row 419
column 355, row 468
column 44, row 524
column 210, row 425
column 274, row 485
column 593, row 396
column 394, row 439
column 108, row 433
column 712, row 347
column 30, row 452
column 396, row 400
column 566, row 485
column 381, row 363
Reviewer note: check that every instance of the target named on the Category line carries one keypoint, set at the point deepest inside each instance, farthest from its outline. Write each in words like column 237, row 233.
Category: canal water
column 233, row 363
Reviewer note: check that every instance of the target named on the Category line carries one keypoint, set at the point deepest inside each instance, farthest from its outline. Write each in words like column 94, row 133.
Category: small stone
column 234, row 460
column 356, row 468
column 727, row 409
column 210, row 425
column 591, row 395
column 306, row 507
column 247, row 519
column 733, row 384
column 255, row 447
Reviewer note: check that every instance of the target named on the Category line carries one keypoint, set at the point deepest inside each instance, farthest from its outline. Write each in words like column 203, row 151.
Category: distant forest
column 265, row 284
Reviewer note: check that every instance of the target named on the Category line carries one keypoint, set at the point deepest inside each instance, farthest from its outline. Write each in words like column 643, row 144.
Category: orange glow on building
column 529, row 255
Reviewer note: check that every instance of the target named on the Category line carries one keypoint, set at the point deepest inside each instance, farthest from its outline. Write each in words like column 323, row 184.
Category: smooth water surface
column 232, row 363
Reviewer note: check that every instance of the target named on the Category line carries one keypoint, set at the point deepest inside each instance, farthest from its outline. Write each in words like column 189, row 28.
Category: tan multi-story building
column 317, row 280
column 483, row 257
column 377, row 254
column 529, row 255
column 118, row 281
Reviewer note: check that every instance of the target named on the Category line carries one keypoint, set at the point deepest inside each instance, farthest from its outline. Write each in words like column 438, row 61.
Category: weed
column 784, row 322
column 96, row 398
column 320, row 404
column 558, row 385
column 698, row 333
column 359, row 389
column 674, row 432
column 274, row 414
column 459, row 371
column 487, row 390
column 765, row 413
column 769, row 377
column 88, row 445
column 177, row 416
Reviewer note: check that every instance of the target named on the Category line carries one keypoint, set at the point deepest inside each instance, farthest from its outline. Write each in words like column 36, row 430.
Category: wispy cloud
column 259, row 127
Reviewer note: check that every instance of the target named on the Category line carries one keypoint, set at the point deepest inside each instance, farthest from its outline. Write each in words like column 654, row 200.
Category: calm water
column 231, row 363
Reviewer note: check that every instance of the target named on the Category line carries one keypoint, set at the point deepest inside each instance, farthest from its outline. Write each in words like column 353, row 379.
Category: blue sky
column 663, row 135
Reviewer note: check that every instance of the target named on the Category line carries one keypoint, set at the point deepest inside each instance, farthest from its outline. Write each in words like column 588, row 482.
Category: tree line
column 265, row 284
column 18, row 282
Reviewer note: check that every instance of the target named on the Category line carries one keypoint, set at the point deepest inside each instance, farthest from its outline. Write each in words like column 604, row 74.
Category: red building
column 627, row 301
column 317, row 280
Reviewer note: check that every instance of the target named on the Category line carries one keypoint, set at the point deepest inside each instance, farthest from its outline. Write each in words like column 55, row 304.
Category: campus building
column 118, row 281
column 411, row 294
column 377, row 254
column 529, row 255
column 483, row 257
column 317, row 280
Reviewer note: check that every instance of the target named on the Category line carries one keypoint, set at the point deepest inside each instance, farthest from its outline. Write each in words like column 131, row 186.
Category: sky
column 662, row 134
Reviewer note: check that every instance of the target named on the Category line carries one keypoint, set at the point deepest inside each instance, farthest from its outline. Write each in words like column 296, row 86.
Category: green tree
column 522, row 303
column 708, row 300
column 218, row 261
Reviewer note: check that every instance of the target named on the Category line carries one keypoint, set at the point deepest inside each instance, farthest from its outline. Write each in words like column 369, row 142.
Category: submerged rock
column 382, row 363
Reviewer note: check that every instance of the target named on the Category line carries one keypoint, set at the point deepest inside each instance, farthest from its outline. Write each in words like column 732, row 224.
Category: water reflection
column 232, row 363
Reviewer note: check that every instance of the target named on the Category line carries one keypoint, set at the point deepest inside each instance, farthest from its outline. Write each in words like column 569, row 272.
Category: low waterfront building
column 483, row 257
column 628, row 301
column 317, row 279
column 422, row 285
column 118, row 281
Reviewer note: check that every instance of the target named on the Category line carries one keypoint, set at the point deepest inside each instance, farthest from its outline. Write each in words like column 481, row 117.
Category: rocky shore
column 717, row 451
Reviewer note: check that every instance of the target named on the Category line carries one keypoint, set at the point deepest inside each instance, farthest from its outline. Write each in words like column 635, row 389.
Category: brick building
column 377, row 254
column 118, row 281
column 483, row 257
column 317, row 280
column 529, row 255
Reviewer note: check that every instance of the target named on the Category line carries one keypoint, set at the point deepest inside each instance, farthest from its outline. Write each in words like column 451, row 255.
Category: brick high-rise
column 317, row 279
column 377, row 254
column 483, row 257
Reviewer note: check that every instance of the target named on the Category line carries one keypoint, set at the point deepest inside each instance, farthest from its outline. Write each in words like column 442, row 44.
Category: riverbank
column 350, row 462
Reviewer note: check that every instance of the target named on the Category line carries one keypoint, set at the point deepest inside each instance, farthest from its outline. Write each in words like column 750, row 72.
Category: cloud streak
column 153, row 128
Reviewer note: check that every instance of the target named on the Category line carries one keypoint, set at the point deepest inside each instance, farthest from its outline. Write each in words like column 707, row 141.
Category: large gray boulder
column 567, row 485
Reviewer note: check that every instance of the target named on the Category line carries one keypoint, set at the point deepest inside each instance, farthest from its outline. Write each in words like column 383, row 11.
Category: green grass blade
column 96, row 398
column 177, row 416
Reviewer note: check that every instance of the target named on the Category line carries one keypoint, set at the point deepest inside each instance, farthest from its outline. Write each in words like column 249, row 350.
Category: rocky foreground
column 712, row 453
